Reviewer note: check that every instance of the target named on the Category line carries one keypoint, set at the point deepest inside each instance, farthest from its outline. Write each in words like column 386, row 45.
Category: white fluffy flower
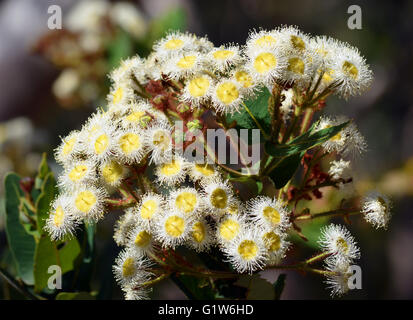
column 246, row 252
column 337, row 240
column 376, row 210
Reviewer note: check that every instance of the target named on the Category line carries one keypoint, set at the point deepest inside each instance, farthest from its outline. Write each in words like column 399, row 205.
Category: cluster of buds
column 129, row 157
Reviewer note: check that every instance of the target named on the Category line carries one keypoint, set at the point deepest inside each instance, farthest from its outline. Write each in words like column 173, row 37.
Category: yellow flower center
column 148, row 209
column 219, row 198
column 272, row 215
column 248, row 249
column 265, row 41
column 328, row 76
column 350, row 69
column 142, row 239
column 297, row 43
column 227, row 92
column 130, row 142
column 244, row 78
column 265, row 62
column 161, row 139
column 78, row 172
column 296, row 65
column 223, row 54
column 59, row 216
column 198, row 86
column 186, row 62
column 112, row 172
column 233, row 209
column 135, row 116
column 198, row 232
column 128, row 267
column 85, row 201
column 174, row 44
column 229, row 229
column 101, row 143
column 342, row 244
column 272, row 241
column 170, row 169
column 186, row 202
column 68, row 146
column 205, row 169
column 118, row 95
column 175, row 226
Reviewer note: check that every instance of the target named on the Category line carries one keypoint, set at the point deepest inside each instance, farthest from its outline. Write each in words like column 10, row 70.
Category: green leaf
column 48, row 254
column 120, row 48
column 75, row 296
column 68, row 255
column 286, row 169
column 22, row 245
column 304, row 142
column 48, row 193
column 279, row 286
column 194, row 288
column 258, row 107
column 43, row 167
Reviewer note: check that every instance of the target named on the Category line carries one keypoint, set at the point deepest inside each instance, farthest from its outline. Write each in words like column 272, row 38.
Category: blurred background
column 50, row 82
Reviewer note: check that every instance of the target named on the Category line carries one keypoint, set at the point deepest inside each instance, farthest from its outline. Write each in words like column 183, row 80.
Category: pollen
column 143, row 238
column 227, row 92
column 161, row 139
column 272, row 241
column 233, row 209
column 85, row 201
column 186, row 62
column 229, row 229
column 328, row 76
column 296, row 65
column 350, row 69
column 136, row 116
column 129, row 142
column 101, row 144
column 219, row 198
column 297, row 42
column 342, row 244
column 198, row 232
column 112, row 172
column 265, row 41
column 198, row 86
column 264, row 62
column 272, row 215
column 223, row 54
column 244, row 78
column 68, row 146
column 206, row 169
column 78, row 172
column 170, row 169
column 118, row 95
column 148, row 209
column 175, row 226
column 128, row 267
column 58, row 216
column 186, row 202
column 174, row 44
column 248, row 249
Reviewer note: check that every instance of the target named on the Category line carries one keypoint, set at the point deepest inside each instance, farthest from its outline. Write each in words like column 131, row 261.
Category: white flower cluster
column 337, row 241
column 189, row 203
